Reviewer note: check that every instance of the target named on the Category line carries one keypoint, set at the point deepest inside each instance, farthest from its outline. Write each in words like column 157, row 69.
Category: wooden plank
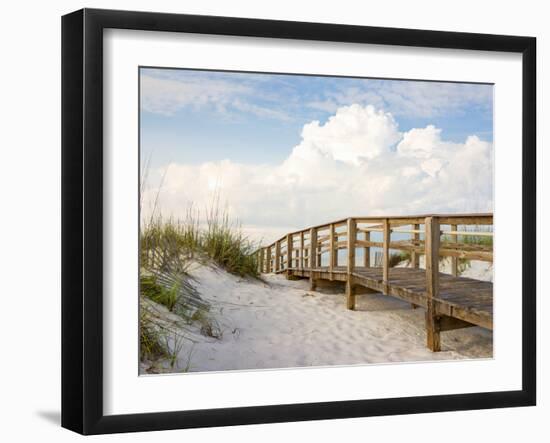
column 432, row 283
column 454, row 260
column 351, row 239
column 289, row 249
column 454, row 232
column 386, row 252
column 366, row 251
column 445, row 250
column 368, row 244
column 415, row 256
column 333, row 252
column 370, row 229
column 301, row 249
column 466, row 220
column 261, row 261
column 312, row 256
column 277, row 256
column 350, row 293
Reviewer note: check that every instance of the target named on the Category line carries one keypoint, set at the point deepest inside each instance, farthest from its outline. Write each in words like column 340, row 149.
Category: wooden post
column 312, row 257
column 289, row 251
column 331, row 248
column 301, row 261
column 454, row 260
column 432, row 239
column 414, row 255
column 277, row 256
column 352, row 237
column 269, row 263
column 260, row 261
column 366, row 251
column 386, row 255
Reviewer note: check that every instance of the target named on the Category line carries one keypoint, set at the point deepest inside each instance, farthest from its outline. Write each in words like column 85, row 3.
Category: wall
column 30, row 222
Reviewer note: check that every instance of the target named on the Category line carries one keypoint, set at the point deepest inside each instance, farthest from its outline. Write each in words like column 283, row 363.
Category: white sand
column 281, row 324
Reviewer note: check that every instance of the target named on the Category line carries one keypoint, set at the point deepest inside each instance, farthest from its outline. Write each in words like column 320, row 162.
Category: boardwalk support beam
column 454, row 260
column 289, row 247
column 312, row 257
column 386, row 255
column 433, row 321
column 351, row 236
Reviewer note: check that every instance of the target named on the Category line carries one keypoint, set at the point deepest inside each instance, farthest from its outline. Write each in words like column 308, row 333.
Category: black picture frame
column 82, row 219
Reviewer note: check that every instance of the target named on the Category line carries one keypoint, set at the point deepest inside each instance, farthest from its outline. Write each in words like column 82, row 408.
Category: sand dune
column 280, row 323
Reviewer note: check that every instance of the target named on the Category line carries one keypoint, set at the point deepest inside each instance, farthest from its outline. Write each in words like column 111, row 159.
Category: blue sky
column 288, row 151
column 259, row 117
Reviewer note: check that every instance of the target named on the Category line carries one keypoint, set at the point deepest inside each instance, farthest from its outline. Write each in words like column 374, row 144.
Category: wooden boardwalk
column 450, row 301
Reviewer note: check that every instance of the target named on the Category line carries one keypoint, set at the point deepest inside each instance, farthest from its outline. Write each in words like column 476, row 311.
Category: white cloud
column 357, row 163
column 410, row 98
column 166, row 95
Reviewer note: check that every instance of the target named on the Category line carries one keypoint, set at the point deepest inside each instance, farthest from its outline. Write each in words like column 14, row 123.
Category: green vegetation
column 158, row 293
column 151, row 343
column 481, row 240
column 158, row 342
column 398, row 257
column 224, row 243
column 167, row 245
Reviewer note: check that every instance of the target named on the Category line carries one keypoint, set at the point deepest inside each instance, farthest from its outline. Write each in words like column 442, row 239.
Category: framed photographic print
column 269, row 221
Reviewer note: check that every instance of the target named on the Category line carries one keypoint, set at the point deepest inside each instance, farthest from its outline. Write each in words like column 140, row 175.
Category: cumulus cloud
column 357, row 163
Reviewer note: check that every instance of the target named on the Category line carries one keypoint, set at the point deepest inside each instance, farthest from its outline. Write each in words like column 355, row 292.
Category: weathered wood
column 466, row 220
column 470, row 252
column 454, row 232
column 386, row 253
column 351, row 238
column 366, row 251
column 408, row 231
column 261, row 261
column 454, row 260
column 432, row 282
column 301, row 249
column 289, row 251
column 277, row 256
column 368, row 244
column 333, row 252
column 350, row 293
column 269, row 264
column 415, row 257
column 312, row 256
column 450, row 301
column 473, row 304
column 370, row 229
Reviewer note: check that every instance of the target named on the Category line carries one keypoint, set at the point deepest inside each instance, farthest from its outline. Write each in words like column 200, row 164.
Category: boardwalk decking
column 450, row 301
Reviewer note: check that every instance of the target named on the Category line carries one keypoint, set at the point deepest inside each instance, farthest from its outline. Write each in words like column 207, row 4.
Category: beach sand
column 279, row 323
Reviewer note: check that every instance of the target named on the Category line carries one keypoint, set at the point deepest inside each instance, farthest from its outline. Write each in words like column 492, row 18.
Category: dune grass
column 398, row 257
column 480, row 240
column 168, row 297
column 169, row 243
column 151, row 340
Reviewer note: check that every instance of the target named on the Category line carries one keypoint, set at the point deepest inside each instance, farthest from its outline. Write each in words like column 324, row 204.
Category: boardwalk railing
column 317, row 253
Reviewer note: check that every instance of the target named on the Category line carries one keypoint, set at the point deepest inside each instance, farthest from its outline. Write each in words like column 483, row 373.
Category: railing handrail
column 420, row 220
column 285, row 256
